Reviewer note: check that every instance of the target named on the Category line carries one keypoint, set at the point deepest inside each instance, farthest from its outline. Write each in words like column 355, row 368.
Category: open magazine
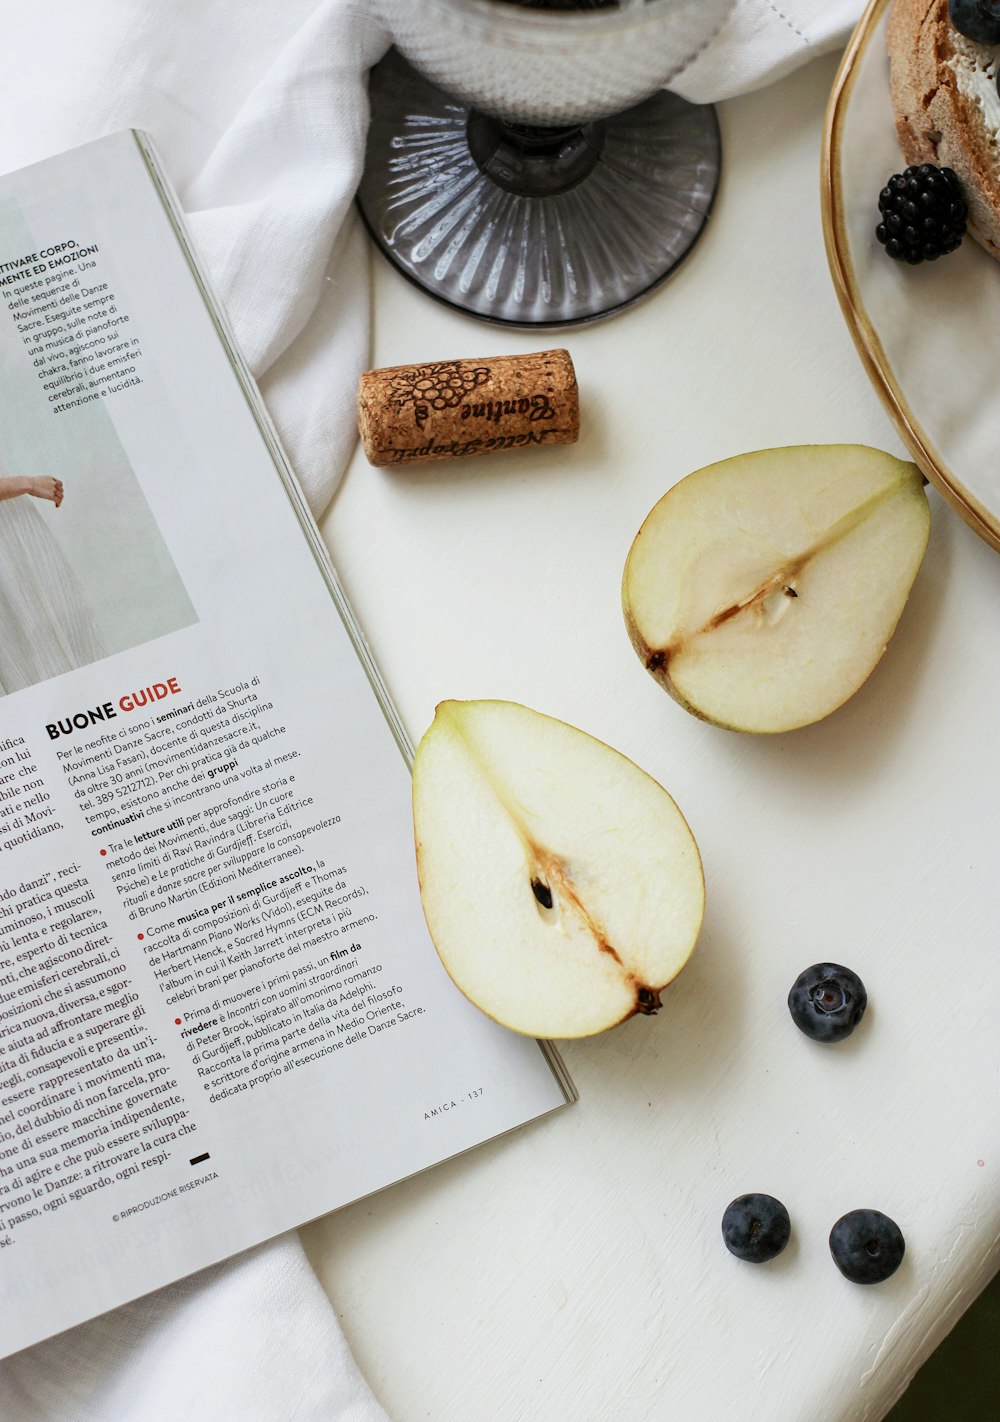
column 220, row 1011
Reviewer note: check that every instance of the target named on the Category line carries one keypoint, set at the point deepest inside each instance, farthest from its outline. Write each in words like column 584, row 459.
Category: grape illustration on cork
column 411, row 414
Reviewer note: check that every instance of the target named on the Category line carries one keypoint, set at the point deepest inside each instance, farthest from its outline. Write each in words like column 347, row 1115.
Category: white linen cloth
column 259, row 110
column 764, row 40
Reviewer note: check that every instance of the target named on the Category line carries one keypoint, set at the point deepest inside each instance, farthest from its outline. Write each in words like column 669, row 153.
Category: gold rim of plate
column 866, row 338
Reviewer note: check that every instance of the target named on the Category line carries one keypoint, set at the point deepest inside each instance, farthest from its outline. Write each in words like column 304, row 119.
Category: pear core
column 561, row 885
column 762, row 591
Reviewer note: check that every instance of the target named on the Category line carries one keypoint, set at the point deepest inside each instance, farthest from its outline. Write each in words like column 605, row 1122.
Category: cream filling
column 975, row 69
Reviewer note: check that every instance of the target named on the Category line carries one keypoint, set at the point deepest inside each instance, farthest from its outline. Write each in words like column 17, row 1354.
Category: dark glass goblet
column 525, row 162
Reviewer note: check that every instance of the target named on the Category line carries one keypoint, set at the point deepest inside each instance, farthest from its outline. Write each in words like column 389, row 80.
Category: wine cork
column 409, row 414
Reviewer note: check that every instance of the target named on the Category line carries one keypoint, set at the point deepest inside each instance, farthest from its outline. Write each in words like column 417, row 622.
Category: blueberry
column 827, row 1002
column 756, row 1228
column 867, row 1246
column 978, row 20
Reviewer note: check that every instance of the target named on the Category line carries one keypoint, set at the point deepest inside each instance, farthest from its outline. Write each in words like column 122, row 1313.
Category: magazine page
column 220, row 1011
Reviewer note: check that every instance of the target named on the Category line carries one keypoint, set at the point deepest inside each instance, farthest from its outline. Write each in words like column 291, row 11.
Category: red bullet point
column 104, row 851
column 140, row 936
column 177, row 1021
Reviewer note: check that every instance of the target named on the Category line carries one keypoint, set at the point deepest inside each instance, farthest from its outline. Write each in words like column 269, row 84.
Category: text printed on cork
column 409, row 414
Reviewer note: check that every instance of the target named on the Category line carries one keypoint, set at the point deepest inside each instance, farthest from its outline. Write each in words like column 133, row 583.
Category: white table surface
column 575, row 1270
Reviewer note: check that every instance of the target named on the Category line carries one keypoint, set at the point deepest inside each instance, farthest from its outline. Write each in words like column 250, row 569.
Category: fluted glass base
column 534, row 227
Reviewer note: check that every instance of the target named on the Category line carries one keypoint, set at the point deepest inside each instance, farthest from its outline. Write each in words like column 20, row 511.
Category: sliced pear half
column 762, row 591
column 561, row 885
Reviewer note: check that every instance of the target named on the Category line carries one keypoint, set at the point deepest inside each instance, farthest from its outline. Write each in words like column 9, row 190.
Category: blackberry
column 923, row 214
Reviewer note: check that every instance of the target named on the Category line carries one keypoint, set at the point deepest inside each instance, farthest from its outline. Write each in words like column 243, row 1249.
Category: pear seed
column 542, row 893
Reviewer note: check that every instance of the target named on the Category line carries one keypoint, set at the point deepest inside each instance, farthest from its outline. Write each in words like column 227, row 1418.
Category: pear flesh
column 561, row 885
column 762, row 591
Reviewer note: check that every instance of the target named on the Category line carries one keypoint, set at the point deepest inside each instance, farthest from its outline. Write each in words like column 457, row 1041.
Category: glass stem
column 532, row 161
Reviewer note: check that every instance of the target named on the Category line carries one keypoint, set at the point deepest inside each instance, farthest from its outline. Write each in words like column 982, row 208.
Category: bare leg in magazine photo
column 46, row 624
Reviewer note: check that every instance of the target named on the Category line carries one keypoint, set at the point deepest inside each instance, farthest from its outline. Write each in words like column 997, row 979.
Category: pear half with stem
column 561, row 885
column 762, row 591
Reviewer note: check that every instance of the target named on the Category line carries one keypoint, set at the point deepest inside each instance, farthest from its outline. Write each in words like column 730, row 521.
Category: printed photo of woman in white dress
column 46, row 624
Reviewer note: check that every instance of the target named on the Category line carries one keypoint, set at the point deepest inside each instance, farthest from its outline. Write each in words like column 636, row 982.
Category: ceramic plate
column 929, row 336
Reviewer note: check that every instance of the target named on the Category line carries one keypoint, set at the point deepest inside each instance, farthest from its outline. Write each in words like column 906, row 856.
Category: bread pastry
column 944, row 93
